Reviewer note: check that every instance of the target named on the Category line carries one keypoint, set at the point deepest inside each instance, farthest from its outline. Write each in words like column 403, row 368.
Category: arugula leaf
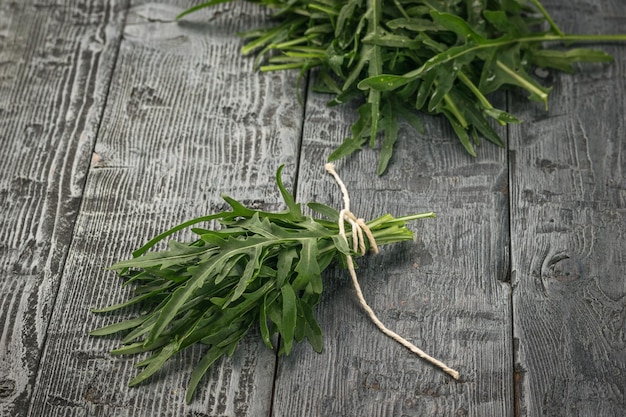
column 391, row 135
column 289, row 315
column 564, row 60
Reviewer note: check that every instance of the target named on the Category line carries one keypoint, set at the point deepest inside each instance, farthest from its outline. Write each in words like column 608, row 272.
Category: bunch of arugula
column 405, row 56
column 260, row 268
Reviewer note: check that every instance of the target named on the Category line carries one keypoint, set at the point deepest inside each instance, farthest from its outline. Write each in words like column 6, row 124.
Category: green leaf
column 313, row 332
column 345, row 13
column 462, row 134
column 445, row 77
column 229, row 267
column 341, row 245
column 218, row 333
column 423, row 92
column 564, row 60
column 185, row 291
column 118, row 327
column 360, row 130
column 134, row 300
column 249, row 274
column 391, row 135
column 475, row 117
column 284, row 265
column 475, row 11
column 457, row 25
column 173, row 230
column 391, row 41
column 129, row 349
column 383, row 82
column 356, row 70
column 265, row 332
column 289, row 315
column 294, row 209
column 327, row 211
column 505, row 67
column 201, row 6
column 141, row 329
column 212, row 355
column 300, row 329
column 348, row 146
column 412, row 118
column 501, row 116
column 308, row 269
column 155, row 363
column 500, row 20
column 414, row 24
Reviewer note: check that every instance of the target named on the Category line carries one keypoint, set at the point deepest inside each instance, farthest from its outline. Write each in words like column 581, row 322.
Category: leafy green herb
column 430, row 56
column 260, row 269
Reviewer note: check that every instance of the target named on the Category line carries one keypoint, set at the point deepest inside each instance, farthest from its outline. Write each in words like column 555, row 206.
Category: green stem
column 388, row 218
column 455, row 110
column 401, row 9
column 469, row 84
column 528, row 86
column 297, row 41
column 510, row 41
column 306, row 55
column 375, row 67
column 327, row 10
column 545, row 14
column 412, row 217
column 304, row 65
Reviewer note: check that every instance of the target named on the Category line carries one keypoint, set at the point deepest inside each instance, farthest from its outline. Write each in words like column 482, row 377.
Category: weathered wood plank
column 187, row 119
column 446, row 291
column 56, row 59
column 569, row 232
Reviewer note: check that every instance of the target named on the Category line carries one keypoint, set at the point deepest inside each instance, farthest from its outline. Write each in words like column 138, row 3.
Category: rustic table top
column 117, row 122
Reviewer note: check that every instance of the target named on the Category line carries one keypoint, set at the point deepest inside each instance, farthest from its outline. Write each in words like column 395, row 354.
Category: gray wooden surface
column 117, row 122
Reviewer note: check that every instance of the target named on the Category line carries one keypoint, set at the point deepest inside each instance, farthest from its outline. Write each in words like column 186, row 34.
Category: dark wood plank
column 569, row 232
column 56, row 59
column 187, row 120
column 446, row 291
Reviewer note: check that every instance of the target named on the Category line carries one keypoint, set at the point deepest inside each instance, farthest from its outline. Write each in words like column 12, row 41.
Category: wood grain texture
column 569, row 232
column 446, row 291
column 188, row 119
column 179, row 117
column 56, row 59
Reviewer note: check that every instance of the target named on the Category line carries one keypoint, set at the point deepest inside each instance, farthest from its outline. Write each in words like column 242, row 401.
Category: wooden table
column 117, row 122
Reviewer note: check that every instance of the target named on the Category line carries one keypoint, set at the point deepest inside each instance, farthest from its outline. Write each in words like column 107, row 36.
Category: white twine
column 358, row 228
